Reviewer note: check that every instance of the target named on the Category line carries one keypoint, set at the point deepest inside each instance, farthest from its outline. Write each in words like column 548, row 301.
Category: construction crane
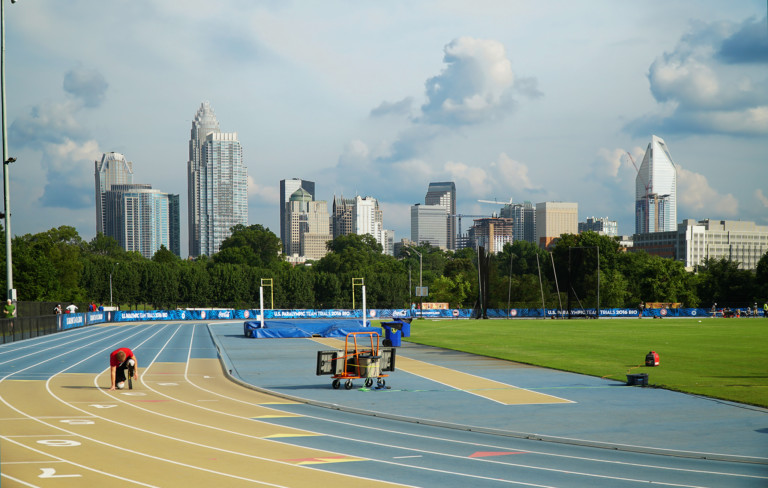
column 471, row 216
column 497, row 202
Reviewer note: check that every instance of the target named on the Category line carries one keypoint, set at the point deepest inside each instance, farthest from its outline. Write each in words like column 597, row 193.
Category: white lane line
column 72, row 463
column 494, row 447
column 376, row 443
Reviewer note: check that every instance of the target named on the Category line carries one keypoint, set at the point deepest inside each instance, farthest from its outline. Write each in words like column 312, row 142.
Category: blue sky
column 522, row 100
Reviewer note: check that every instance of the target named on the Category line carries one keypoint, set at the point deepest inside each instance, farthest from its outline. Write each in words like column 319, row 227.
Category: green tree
column 253, row 245
column 163, row 255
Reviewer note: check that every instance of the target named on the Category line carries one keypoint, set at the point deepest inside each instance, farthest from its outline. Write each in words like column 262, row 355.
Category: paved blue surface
column 603, row 412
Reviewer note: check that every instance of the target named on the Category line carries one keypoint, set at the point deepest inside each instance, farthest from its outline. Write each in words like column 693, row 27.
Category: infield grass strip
column 720, row 358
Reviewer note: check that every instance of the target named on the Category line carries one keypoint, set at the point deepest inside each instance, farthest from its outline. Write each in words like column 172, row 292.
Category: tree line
column 59, row 266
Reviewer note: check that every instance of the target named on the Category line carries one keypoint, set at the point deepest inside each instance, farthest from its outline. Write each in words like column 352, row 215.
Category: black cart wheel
column 368, row 382
column 336, row 384
column 380, row 382
column 348, row 385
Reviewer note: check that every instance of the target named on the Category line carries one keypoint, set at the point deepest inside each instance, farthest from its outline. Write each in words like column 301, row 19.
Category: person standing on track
column 121, row 360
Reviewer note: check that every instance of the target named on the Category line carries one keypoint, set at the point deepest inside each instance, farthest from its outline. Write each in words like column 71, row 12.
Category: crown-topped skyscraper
column 217, row 184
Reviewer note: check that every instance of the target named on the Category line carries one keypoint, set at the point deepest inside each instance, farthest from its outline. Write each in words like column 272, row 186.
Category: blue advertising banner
column 77, row 320
column 72, row 320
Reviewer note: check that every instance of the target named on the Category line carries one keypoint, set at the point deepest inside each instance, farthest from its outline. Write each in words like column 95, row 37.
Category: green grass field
column 720, row 358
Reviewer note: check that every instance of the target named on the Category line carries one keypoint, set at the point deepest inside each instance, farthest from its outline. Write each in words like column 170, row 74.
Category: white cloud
column 513, row 174
column 475, row 178
column 262, row 193
column 709, row 87
column 502, row 177
column 761, row 197
column 475, row 86
column 697, row 197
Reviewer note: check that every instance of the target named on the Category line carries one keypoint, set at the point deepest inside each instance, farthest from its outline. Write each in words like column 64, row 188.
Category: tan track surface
column 177, row 427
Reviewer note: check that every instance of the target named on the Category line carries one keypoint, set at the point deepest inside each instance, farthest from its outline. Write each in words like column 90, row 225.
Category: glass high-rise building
column 142, row 219
column 428, row 224
column 217, row 184
column 223, row 188
column 443, row 193
column 656, row 190
column 524, row 217
column 113, row 169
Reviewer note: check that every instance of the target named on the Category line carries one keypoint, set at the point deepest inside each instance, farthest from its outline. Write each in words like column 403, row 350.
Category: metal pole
column 509, row 291
column 421, row 288
column 364, row 306
column 6, row 161
column 597, row 311
column 261, row 304
column 110, row 274
column 541, row 286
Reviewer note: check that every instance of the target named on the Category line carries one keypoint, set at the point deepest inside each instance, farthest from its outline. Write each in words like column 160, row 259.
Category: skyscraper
column 656, row 190
column 142, row 219
column 343, row 222
column 203, row 124
column 443, row 193
column 217, row 184
column 524, row 218
column 360, row 215
column 287, row 187
column 554, row 219
column 307, row 226
column 113, row 169
column 428, row 224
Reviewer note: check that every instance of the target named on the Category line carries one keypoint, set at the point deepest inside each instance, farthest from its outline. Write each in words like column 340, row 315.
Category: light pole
column 6, row 161
column 110, row 278
column 421, row 288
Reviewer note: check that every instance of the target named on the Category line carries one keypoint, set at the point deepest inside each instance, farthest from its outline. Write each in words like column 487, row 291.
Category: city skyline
column 510, row 100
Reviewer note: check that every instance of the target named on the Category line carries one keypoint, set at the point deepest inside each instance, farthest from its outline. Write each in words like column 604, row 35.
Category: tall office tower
column 142, row 219
column 174, row 224
column 307, row 226
column 554, row 219
column 360, row 215
column 287, row 187
column 524, row 218
column 443, row 193
column 343, row 216
column 369, row 218
column 601, row 225
column 113, row 169
column 204, row 123
column 428, row 224
column 223, row 190
column 656, row 190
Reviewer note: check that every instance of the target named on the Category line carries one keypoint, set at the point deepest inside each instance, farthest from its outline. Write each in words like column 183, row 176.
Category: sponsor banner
column 96, row 317
column 76, row 320
column 72, row 320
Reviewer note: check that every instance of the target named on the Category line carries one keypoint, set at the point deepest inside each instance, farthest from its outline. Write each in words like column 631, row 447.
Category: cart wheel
column 386, row 343
column 336, row 384
column 348, row 385
column 368, row 382
column 380, row 382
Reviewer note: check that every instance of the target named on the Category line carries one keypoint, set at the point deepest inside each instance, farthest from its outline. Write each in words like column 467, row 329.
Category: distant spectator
column 71, row 308
column 101, row 307
column 640, row 310
column 57, row 309
column 9, row 312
